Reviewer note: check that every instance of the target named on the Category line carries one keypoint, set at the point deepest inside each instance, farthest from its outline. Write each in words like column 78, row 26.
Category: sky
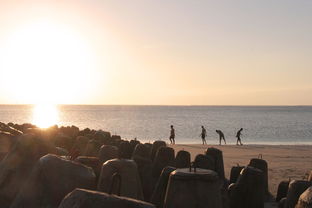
column 142, row 52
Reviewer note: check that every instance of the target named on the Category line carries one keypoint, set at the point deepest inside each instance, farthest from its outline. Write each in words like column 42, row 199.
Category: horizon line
column 177, row 105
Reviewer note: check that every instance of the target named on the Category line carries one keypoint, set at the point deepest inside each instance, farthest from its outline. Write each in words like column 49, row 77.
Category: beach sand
column 284, row 161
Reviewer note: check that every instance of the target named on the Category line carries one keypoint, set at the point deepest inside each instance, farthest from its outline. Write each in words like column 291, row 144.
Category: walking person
column 221, row 136
column 172, row 135
column 238, row 135
column 203, row 135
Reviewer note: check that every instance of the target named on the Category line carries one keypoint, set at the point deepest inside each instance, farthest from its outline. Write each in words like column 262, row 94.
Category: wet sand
column 284, row 161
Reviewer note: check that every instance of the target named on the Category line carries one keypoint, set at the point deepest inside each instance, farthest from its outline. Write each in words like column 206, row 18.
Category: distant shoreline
column 244, row 144
column 234, row 145
column 161, row 105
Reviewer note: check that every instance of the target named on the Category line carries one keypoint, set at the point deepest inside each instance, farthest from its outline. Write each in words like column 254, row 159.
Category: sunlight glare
column 49, row 61
column 45, row 115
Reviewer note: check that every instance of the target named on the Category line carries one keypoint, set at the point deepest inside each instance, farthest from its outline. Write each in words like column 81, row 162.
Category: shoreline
column 232, row 144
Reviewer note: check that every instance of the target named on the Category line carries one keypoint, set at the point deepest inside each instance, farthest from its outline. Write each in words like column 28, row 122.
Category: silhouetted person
column 172, row 135
column 221, row 136
column 203, row 135
column 238, row 135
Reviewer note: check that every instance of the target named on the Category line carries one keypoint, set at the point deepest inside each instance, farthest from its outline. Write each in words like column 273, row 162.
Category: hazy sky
column 179, row 52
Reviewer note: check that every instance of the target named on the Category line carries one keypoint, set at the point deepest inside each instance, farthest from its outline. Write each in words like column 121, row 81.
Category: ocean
column 262, row 124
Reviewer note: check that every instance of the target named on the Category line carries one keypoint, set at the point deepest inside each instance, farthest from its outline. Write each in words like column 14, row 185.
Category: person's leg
column 173, row 140
column 224, row 140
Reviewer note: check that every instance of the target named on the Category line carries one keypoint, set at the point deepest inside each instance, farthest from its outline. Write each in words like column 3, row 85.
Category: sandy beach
column 284, row 161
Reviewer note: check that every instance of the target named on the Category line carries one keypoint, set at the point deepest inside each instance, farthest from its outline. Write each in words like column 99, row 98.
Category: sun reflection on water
column 45, row 115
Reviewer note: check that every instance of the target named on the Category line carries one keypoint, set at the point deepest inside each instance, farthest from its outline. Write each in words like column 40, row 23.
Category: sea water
column 261, row 124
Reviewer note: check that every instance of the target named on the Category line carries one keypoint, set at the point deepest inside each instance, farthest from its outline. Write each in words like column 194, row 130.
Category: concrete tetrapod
column 204, row 162
column 145, row 171
column 81, row 198
column 217, row 155
column 248, row 191
column 262, row 165
column 141, row 150
column 80, row 144
column 282, row 190
column 295, row 189
column 107, row 152
column 305, row 199
column 156, row 145
column 121, row 177
column 92, row 148
column 182, row 159
column 124, row 150
column 193, row 189
column 310, row 176
column 18, row 163
column 92, row 162
column 159, row 193
column 6, row 143
column 103, row 137
column 164, row 157
column 51, row 179
column 235, row 172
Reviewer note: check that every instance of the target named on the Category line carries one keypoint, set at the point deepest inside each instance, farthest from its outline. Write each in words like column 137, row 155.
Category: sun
column 45, row 115
column 47, row 62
